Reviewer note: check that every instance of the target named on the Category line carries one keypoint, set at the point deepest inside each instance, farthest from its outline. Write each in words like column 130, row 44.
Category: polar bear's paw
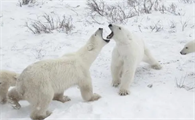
column 95, row 97
column 41, row 117
column 48, row 113
column 63, row 99
column 115, row 83
column 124, row 92
column 157, row 66
column 16, row 106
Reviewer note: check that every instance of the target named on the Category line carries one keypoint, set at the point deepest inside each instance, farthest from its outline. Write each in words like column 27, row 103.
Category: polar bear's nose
column 182, row 53
column 110, row 25
column 100, row 28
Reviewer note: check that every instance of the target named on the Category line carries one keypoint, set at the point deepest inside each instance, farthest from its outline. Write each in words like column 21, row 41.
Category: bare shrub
column 19, row 3
column 39, row 54
column 172, row 8
column 97, row 7
column 50, row 23
column 146, row 6
column 25, row 2
column 139, row 26
column 187, row 1
column 156, row 27
column 116, row 13
column 134, row 4
column 181, row 83
column 172, row 24
column 184, row 24
column 172, row 27
column 122, row 11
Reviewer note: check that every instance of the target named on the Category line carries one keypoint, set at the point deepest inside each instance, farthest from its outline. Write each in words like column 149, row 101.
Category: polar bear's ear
column 90, row 47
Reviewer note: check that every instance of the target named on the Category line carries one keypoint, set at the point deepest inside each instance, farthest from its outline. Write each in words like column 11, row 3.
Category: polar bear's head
column 118, row 33
column 8, row 78
column 97, row 41
column 188, row 48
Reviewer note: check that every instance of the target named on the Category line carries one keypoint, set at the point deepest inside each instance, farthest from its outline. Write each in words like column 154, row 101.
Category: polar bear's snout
column 100, row 31
column 182, row 53
column 188, row 48
column 100, row 28
column 110, row 25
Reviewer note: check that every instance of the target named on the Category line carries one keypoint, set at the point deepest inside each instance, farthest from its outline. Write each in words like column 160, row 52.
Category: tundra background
column 29, row 35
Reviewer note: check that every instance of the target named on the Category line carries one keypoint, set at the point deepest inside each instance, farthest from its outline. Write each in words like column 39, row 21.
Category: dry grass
column 48, row 23
column 181, row 83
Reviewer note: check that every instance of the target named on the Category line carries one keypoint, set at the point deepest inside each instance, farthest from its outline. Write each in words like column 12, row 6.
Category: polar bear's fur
column 7, row 79
column 45, row 80
column 188, row 48
column 126, row 56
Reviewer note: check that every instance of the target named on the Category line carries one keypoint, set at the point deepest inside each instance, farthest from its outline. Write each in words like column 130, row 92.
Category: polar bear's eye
column 186, row 47
column 119, row 28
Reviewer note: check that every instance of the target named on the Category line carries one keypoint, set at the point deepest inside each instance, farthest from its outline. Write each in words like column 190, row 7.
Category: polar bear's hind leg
column 40, row 100
column 40, row 107
column 148, row 58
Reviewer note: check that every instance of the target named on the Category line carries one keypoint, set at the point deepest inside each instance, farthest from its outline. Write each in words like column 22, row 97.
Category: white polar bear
column 188, row 48
column 7, row 79
column 45, row 80
column 126, row 56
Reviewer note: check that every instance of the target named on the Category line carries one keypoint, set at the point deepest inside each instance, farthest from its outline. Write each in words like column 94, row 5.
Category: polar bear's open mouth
column 110, row 35
column 102, row 35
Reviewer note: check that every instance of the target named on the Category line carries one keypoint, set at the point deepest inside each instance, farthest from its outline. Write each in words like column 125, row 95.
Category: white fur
column 188, row 48
column 7, row 79
column 45, row 80
column 126, row 56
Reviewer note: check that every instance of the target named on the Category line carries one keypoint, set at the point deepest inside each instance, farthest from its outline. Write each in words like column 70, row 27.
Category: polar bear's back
column 57, row 75
column 138, row 40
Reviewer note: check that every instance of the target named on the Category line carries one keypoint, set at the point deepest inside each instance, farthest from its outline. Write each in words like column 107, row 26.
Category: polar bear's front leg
column 14, row 98
column 116, row 68
column 87, row 90
column 148, row 58
column 127, row 78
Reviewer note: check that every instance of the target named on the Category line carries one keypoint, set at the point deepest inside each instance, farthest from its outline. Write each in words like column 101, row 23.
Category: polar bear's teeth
column 110, row 35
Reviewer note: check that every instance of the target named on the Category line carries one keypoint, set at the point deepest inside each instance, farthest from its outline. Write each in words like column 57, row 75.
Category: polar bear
column 7, row 79
column 126, row 56
column 45, row 80
column 188, row 48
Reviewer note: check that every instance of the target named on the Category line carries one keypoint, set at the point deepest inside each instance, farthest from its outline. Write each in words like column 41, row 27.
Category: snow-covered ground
column 164, row 100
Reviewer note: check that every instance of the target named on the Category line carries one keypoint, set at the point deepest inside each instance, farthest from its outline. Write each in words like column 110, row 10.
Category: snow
column 154, row 94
